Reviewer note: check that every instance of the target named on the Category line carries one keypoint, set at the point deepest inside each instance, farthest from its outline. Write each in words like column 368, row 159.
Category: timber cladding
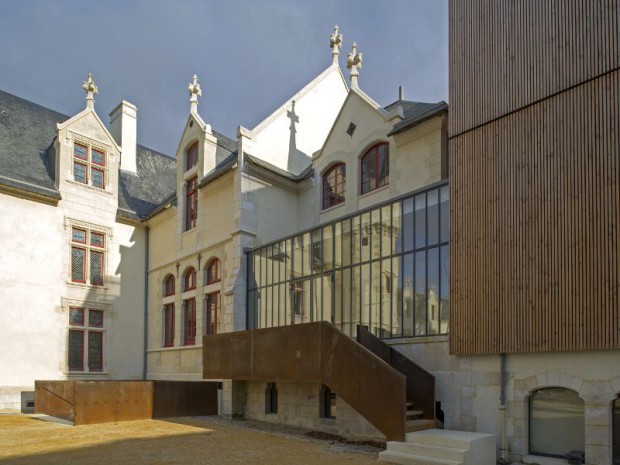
column 535, row 176
column 505, row 54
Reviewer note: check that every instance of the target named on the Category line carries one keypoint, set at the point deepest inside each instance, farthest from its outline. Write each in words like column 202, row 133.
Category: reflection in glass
column 386, row 231
column 346, row 242
column 420, row 293
column 396, row 232
column 557, row 422
column 408, row 294
column 356, row 300
column 375, row 299
column 444, row 270
column 365, row 296
column 375, row 234
column 444, row 209
column 365, row 235
column 307, row 246
column 397, row 299
column 346, row 302
column 355, row 237
column 328, row 248
column 433, row 291
column 407, row 224
column 337, row 245
column 338, row 320
column 432, row 215
column 328, row 294
column 386, row 297
column 420, row 221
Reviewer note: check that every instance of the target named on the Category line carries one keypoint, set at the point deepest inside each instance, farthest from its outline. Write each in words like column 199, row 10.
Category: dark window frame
column 191, row 203
column 213, row 271
column 334, row 186
column 168, row 316
column 370, row 159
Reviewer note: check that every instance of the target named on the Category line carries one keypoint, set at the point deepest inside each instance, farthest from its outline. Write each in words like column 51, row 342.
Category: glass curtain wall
column 386, row 269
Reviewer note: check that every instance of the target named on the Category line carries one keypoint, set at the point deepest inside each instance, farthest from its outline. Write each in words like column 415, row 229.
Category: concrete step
column 418, row 425
column 407, row 459
column 422, row 450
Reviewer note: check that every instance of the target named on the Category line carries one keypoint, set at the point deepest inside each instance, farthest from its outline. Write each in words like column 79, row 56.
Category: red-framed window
column 189, row 322
column 87, row 256
column 86, row 339
column 169, row 286
column 212, row 310
column 169, row 325
column 213, row 271
column 189, row 279
column 89, row 165
column 191, row 203
column 191, row 157
column 375, row 166
column 334, row 183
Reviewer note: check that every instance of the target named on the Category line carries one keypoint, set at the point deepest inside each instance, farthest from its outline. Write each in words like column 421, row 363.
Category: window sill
column 374, row 191
column 88, row 186
column 333, row 207
column 86, row 286
column 190, row 173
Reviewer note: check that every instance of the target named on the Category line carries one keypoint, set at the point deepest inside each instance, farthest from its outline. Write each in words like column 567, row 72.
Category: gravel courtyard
column 26, row 440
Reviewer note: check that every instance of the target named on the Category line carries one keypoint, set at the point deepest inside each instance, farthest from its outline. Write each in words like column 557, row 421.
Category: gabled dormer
column 200, row 151
column 85, row 156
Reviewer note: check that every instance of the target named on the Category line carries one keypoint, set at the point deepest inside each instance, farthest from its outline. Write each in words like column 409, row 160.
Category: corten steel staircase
column 420, row 384
column 320, row 353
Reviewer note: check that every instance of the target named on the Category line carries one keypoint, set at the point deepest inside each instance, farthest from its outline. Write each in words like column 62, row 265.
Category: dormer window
column 191, row 158
column 89, row 165
column 334, row 181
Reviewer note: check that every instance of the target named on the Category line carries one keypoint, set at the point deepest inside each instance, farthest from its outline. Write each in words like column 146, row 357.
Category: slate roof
column 415, row 113
column 305, row 174
column 27, row 131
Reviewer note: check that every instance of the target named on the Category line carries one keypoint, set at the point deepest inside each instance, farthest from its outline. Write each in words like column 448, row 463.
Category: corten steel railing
column 90, row 402
column 313, row 353
column 420, row 383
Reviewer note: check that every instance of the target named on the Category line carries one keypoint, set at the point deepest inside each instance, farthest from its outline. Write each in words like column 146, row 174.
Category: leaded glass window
column 87, row 259
column 86, row 339
column 189, row 322
column 334, row 183
column 213, row 271
column 169, row 325
column 89, row 165
column 76, row 350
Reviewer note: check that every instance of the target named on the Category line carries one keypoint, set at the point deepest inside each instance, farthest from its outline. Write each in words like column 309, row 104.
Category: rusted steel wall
column 313, row 353
column 420, row 383
column 90, row 402
column 184, row 398
column 112, row 401
column 55, row 398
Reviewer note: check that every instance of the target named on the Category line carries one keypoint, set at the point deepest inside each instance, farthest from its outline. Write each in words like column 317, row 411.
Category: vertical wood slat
column 507, row 54
column 536, row 227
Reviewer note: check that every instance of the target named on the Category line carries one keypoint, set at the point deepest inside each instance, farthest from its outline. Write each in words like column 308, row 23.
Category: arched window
column 557, row 422
column 213, row 271
column 375, row 167
column 191, row 157
column 169, row 286
column 334, row 181
column 189, row 280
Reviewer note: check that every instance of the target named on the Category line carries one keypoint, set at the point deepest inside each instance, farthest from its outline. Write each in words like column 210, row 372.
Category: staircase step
column 443, row 438
column 422, row 450
column 413, row 414
column 407, row 459
column 418, row 425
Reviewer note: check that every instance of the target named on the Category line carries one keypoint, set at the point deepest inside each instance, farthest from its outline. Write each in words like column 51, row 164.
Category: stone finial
column 354, row 63
column 91, row 89
column 335, row 42
column 194, row 92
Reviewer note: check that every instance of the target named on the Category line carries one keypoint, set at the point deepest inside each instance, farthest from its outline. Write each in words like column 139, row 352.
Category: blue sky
column 250, row 56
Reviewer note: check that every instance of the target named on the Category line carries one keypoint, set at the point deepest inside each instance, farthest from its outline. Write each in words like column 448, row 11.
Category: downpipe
column 503, row 441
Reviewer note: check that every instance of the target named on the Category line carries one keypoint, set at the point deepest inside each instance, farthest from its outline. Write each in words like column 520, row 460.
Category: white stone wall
column 298, row 405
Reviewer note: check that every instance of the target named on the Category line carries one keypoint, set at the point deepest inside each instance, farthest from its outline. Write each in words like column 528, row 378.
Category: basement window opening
column 271, row 398
column 327, row 403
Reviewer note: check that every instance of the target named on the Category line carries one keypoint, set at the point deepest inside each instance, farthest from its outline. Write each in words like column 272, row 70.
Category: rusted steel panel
column 420, row 389
column 183, row 398
column 55, row 398
column 314, row 352
column 111, row 401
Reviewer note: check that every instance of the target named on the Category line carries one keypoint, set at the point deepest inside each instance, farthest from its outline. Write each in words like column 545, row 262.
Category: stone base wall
column 468, row 388
column 17, row 398
column 298, row 405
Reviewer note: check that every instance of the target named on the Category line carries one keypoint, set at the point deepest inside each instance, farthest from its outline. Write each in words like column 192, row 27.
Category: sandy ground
column 206, row 440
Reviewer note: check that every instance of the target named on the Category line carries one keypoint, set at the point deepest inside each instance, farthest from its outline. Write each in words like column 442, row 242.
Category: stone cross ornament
column 335, row 42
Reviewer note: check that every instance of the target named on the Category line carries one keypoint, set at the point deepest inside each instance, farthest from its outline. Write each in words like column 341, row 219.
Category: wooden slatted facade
column 535, row 175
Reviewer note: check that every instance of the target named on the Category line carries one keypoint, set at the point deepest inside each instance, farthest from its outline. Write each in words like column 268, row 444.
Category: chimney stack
column 401, row 93
column 124, row 129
